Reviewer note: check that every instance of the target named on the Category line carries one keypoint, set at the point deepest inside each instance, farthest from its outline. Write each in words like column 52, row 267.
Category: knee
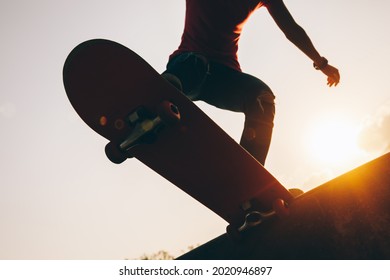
column 261, row 108
column 266, row 97
column 266, row 102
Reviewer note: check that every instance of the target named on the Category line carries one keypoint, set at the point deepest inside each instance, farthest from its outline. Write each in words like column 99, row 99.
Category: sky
column 61, row 198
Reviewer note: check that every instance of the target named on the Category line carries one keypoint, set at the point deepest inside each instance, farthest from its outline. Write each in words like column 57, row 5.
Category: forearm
column 293, row 31
column 298, row 36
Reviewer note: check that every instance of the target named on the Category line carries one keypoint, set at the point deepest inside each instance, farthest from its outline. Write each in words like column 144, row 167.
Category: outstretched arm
column 297, row 35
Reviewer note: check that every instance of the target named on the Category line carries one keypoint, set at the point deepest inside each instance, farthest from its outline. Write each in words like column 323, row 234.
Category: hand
column 333, row 75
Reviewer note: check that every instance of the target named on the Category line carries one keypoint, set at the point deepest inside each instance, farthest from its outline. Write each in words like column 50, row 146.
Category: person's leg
column 256, row 137
column 228, row 89
column 236, row 91
column 187, row 72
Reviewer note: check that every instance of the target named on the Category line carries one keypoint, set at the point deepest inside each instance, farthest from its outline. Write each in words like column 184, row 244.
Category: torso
column 213, row 28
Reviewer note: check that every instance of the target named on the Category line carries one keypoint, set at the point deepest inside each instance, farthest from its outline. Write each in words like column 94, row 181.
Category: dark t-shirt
column 213, row 28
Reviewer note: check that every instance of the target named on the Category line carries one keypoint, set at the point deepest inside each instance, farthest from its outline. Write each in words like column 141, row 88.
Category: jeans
column 229, row 89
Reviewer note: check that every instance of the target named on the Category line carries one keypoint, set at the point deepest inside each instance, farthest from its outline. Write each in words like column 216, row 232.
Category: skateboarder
column 205, row 66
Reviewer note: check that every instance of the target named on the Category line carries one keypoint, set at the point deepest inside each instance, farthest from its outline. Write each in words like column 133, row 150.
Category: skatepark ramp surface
column 345, row 218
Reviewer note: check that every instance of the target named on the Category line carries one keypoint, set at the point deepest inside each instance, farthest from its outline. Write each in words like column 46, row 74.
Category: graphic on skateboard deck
column 122, row 98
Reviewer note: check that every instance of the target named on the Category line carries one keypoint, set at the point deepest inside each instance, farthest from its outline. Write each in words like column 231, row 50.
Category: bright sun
column 333, row 141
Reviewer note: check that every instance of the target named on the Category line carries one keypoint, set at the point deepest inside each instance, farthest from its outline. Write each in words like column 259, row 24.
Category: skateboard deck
column 122, row 98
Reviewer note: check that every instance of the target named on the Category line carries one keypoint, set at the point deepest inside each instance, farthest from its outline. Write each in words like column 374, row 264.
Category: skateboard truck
column 254, row 218
column 144, row 131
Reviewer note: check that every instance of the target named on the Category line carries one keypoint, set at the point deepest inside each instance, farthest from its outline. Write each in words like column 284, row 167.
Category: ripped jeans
column 232, row 90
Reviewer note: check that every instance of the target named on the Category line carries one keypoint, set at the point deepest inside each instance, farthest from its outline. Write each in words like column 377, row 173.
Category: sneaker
column 174, row 80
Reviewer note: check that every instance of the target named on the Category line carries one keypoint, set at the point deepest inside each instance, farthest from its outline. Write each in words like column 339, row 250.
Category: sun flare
column 333, row 141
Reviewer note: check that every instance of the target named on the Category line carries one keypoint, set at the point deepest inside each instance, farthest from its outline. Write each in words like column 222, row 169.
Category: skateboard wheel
column 233, row 233
column 114, row 154
column 280, row 208
column 168, row 112
column 295, row 192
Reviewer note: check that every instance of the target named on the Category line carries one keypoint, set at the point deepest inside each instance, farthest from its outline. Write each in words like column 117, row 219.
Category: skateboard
column 121, row 97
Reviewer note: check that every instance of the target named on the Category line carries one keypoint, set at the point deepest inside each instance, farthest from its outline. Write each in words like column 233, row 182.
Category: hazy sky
column 60, row 198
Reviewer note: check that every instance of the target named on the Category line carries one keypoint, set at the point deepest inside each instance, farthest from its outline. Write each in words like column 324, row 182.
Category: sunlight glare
column 334, row 142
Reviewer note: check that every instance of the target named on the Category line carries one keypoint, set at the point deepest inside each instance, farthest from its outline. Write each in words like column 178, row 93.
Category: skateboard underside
column 126, row 101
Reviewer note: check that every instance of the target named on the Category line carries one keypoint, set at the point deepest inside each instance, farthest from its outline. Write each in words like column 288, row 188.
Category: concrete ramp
column 345, row 218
